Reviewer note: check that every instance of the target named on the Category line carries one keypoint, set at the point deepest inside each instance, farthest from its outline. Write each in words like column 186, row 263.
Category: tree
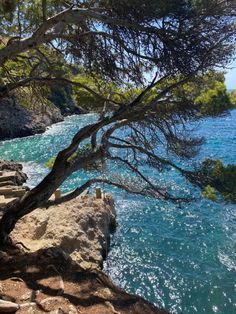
column 142, row 46
column 232, row 96
column 220, row 178
column 208, row 92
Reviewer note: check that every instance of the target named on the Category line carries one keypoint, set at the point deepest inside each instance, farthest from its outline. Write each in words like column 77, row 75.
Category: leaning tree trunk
column 62, row 168
column 32, row 200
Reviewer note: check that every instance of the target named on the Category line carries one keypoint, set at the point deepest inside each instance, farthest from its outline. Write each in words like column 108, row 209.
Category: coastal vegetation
column 221, row 178
column 147, row 68
column 232, row 96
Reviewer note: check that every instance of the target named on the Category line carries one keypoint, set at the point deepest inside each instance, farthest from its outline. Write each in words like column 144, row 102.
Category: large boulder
column 80, row 227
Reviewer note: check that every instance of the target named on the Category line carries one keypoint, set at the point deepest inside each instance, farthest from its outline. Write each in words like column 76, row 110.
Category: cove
column 180, row 257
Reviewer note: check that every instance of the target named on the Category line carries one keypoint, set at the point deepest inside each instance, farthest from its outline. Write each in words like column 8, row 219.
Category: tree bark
column 32, row 200
column 62, row 168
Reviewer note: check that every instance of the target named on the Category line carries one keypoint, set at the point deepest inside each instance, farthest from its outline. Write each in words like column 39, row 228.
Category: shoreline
column 16, row 121
column 80, row 227
column 71, row 238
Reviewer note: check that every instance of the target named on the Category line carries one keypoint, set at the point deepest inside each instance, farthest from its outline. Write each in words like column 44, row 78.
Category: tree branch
column 24, row 82
column 78, row 191
column 194, row 177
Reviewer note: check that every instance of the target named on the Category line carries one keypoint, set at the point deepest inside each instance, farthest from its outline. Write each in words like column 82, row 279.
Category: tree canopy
column 155, row 52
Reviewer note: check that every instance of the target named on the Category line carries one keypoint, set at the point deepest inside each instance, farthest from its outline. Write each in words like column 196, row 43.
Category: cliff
column 18, row 121
column 57, row 265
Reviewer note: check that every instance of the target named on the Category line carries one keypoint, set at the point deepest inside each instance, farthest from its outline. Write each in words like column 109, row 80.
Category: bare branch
column 78, row 191
column 45, row 80
column 193, row 177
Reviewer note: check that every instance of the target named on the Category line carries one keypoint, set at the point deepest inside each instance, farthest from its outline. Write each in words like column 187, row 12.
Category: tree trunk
column 32, row 200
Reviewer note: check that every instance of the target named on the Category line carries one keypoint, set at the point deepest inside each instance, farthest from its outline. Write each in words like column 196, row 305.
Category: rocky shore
column 17, row 121
column 80, row 227
column 59, row 268
column 20, row 176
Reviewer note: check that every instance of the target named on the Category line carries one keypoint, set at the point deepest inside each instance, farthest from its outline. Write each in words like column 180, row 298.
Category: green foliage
column 232, row 97
column 207, row 93
column 99, row 85
column 49, row 164
column 81, row 151
column 213, row 100
column 7, row 8
column 221, row 178
column 27, row 14
column 41, row 62
column 210, row 193
column 83, row 97
column 35, row 64
column 59, row 95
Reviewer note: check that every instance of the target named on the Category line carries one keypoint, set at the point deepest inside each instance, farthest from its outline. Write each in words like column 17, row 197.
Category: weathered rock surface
column 20, row 177
column 71, row 107
column 81, row 227
column 16, row 121
column 62, row 271
column 10, row 166
column 48, row 281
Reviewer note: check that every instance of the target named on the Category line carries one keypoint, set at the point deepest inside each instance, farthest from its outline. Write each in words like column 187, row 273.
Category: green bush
column 221, row 178
column 81, row 151
column 209, row 192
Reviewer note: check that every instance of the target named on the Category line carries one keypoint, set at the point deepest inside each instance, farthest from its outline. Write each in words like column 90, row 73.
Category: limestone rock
column 20, row 177
column 81, row 227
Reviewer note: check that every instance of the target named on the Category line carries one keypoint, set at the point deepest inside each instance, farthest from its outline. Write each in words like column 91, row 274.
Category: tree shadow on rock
column 49, row 280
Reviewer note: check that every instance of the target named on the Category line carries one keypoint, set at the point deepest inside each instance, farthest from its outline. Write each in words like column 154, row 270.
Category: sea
column 180, row 257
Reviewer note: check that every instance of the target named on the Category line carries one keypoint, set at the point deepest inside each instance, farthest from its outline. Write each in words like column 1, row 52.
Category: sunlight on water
column 182, row 258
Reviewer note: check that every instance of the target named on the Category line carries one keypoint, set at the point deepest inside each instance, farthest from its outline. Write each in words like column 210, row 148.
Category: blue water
column 179, row 257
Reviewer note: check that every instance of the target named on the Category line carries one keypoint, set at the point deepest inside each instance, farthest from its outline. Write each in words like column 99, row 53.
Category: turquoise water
column 179, row 257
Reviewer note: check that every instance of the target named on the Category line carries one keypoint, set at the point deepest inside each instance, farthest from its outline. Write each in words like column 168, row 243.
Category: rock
column 67, row 242
column 26, row 296
column 72, row 108
column 17, row 121
column 80, row 227
column 20, row 176
column 8, row 307
column 3, row 256
column 72, row 309
column 10, row 165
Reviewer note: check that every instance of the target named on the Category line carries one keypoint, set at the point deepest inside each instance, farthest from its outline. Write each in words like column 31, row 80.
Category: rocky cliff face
column 80, row 227
column 61, row 270
column 69, row 107
column 16, row 121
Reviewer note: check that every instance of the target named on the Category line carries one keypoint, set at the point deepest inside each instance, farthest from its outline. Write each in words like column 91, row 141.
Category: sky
column 230, row 77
